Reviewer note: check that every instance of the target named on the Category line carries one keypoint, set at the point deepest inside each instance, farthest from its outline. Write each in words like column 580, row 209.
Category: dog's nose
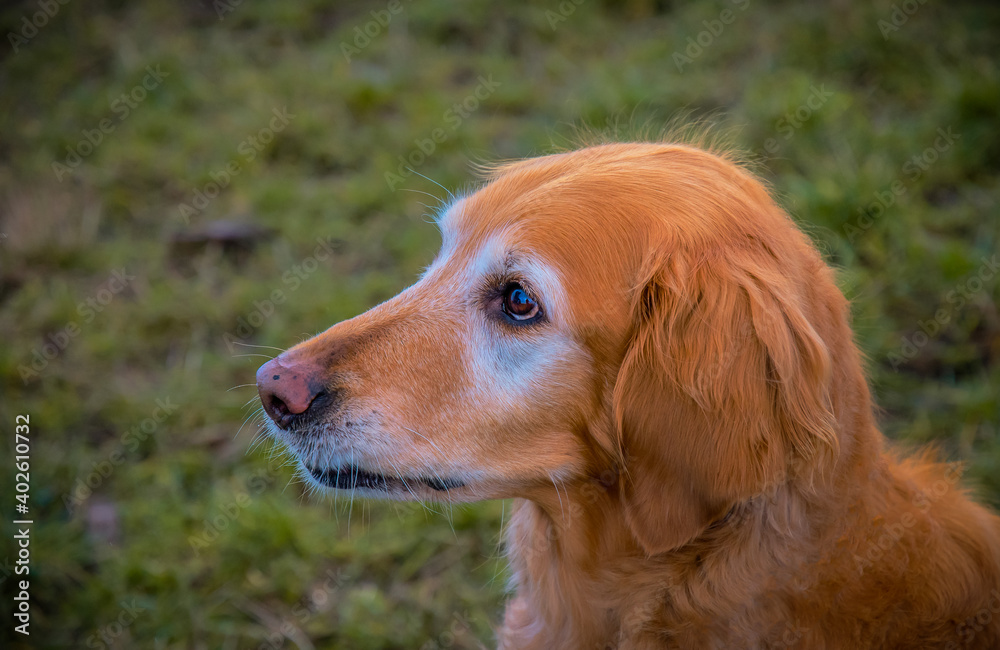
column 287, row 389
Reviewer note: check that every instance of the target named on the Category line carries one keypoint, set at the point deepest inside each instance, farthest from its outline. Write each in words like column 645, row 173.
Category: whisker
column 354, row 480
column 497, row 557
column 336, row 508
column 263, row 347
column 503, row 510
column 259, row 439
column 257, row 412
column 431, row 442
column 417, row 499
column 562, row 513
column 250, row 401
column 435, row 182
column 450, row 515
column 407, row 189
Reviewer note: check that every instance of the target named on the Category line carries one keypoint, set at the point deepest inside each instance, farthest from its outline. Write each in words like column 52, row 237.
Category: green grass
column 210, row 546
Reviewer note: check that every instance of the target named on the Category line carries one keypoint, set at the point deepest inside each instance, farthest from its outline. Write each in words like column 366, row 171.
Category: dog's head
column 641, row 307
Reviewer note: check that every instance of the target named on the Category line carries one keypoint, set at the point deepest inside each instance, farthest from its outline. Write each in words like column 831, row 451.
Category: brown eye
column 518, row 304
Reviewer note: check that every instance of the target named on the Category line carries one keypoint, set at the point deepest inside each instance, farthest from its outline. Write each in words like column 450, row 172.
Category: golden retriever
column 637, row 344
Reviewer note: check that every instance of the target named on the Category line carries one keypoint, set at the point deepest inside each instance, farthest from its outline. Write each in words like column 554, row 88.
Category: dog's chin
column 376, row 484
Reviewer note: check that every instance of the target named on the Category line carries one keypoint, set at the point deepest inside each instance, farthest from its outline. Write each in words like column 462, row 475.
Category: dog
column 636, row 344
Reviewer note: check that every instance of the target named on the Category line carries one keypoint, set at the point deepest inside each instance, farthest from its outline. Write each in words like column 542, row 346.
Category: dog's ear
column 724, row 388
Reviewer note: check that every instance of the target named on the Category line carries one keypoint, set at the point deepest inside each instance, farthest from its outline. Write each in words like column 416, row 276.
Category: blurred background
column 181, row 182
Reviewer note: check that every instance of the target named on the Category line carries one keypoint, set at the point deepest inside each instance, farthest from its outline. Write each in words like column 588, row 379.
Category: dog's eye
column 518, row 304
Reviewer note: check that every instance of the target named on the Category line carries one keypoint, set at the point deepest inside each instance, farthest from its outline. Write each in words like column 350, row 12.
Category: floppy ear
column 724, row 386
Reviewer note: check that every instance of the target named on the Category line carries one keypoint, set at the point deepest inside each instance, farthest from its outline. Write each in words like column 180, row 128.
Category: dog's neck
column 580, row 574
column 560, row 546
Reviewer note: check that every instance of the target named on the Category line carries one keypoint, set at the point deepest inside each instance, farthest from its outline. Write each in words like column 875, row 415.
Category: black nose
column 288, row 388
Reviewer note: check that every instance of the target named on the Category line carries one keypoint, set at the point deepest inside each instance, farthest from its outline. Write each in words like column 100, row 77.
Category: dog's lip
column 348, row 477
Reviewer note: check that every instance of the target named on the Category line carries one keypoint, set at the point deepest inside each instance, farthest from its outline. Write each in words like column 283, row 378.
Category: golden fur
column 688, row 434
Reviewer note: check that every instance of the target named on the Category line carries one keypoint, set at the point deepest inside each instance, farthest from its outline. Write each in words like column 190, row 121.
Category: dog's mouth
column 349, row 477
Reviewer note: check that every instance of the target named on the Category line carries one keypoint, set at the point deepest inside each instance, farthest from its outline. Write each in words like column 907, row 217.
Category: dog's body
column 638, row 345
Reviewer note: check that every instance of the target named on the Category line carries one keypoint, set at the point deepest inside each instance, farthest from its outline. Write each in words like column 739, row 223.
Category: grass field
column 180, row 182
